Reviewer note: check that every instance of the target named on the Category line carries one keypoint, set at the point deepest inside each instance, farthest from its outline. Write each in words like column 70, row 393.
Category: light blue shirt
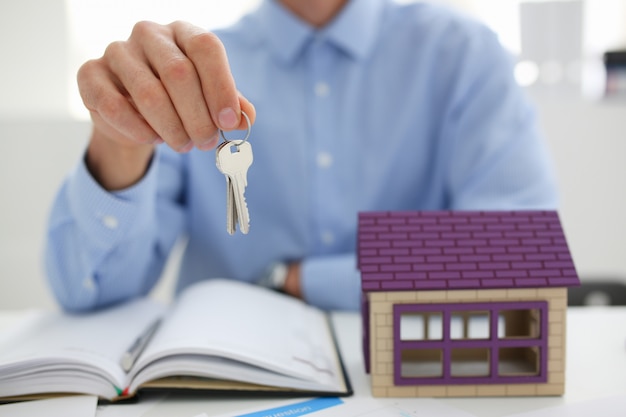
column 389, row 107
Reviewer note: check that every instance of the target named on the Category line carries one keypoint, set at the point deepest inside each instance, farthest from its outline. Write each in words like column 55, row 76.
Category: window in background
column 559, row 44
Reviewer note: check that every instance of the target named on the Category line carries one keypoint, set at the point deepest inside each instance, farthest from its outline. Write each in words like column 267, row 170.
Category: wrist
column 116, row 166
column 292, row 282
column 283, row 277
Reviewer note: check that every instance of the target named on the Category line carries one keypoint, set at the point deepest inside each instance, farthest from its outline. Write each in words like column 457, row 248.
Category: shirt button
column 328, row 238
column 88, row 284
column 324, row 160
column 322, row 89
column 110, row 222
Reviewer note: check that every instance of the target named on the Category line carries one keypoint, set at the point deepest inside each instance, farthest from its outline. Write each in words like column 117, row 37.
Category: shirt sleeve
column 331, row 282
column 496, row 155
column 105, row 247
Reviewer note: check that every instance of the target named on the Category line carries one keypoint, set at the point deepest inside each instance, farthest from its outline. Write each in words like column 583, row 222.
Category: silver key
column 231, row 216
column 231, row 210
column 233, row 160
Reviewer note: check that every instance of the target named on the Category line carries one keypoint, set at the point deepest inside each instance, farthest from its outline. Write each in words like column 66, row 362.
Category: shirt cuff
column 331, row 282
column 109, row 216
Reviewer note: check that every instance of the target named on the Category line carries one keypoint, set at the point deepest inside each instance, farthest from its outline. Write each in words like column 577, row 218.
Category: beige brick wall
column 381, row 341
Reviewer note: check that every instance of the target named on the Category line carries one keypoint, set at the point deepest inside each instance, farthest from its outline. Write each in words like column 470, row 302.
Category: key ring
column 241, row 141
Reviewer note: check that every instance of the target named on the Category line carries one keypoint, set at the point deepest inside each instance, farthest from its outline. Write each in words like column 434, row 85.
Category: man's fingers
column 110, row 107
column 247, row 107
column 207, row 53
column 177, row 73
column 148, row 94
column 166, row 83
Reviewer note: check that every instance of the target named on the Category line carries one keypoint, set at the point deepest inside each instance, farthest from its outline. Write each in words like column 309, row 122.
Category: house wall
column 381, row 341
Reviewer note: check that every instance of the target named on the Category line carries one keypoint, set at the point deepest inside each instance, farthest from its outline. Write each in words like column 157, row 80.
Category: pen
column 130, row 356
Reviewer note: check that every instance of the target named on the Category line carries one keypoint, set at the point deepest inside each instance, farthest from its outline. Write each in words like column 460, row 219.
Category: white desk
column 596, row 368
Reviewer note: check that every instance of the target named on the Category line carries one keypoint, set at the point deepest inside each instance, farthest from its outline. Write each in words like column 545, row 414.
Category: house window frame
column 493, row 343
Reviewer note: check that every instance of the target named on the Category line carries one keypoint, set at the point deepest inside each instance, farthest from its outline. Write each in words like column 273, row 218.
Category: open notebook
column 218, row 335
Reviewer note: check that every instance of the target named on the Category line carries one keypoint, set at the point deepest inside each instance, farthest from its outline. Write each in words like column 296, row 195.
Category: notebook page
column 94, row 339
column 248, row 323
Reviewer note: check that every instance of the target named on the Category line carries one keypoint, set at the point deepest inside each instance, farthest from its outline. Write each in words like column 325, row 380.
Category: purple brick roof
column 445, row 250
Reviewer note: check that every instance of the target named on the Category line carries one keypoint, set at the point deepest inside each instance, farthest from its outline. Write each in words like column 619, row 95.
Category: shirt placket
column 323, row 154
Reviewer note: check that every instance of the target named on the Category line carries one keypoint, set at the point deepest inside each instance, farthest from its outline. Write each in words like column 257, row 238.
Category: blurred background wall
column 559, row 48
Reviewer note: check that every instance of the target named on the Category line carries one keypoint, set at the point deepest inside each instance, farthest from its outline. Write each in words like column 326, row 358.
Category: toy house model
column 464, row 303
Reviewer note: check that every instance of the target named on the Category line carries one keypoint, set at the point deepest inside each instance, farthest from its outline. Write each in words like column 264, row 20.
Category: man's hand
column 167, row 84
column 292, row 282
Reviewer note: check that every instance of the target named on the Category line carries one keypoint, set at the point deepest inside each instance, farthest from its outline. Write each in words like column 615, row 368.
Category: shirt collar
column 356, row 27
column 354, row 30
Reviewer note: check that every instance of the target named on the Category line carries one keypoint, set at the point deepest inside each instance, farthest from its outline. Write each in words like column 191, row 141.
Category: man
column 358, row 105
